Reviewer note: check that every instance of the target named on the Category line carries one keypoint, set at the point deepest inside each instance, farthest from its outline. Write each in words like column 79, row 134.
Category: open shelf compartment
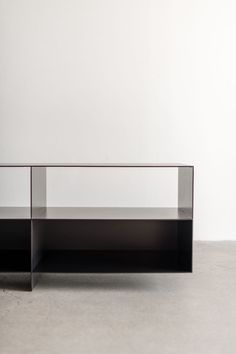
column 114, row 246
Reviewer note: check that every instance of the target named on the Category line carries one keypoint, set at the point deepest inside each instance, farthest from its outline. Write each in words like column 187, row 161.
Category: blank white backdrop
column 125, row 81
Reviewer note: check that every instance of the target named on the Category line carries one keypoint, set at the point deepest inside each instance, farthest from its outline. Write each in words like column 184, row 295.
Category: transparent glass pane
column 14, row 192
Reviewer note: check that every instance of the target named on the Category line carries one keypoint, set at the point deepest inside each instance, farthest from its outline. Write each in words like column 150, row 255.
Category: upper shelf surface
column 94, row 165
column 97, row 213
column 112, row 213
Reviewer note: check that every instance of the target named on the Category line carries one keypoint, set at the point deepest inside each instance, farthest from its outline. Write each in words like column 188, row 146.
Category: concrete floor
column 125, row 314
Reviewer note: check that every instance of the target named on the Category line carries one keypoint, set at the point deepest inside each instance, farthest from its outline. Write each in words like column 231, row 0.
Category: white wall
column 125, row 80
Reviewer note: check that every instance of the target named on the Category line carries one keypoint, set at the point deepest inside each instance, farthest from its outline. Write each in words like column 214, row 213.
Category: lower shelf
column 114, row 262
column 95, row 246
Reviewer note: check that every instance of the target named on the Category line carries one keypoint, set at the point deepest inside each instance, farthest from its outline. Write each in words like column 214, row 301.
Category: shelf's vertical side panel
column 15, row 232
column 38, row 192
column 185, row 244
column 185, row 227
column 185, row 188
column 38, row 209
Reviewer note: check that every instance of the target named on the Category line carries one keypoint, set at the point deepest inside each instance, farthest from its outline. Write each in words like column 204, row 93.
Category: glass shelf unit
column 40, row 238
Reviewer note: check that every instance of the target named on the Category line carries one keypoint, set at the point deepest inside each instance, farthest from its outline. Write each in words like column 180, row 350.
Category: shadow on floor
column 85, row 282
column 95, row 281
column 14, row 281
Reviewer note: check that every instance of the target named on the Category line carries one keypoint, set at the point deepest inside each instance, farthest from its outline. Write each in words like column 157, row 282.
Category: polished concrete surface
column 125, row 314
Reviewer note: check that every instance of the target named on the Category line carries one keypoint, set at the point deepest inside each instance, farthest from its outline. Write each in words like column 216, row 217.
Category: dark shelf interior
column 97, row 245
column 90, row 261
column 14, row 260
column 15, row 245
column 114, row 245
